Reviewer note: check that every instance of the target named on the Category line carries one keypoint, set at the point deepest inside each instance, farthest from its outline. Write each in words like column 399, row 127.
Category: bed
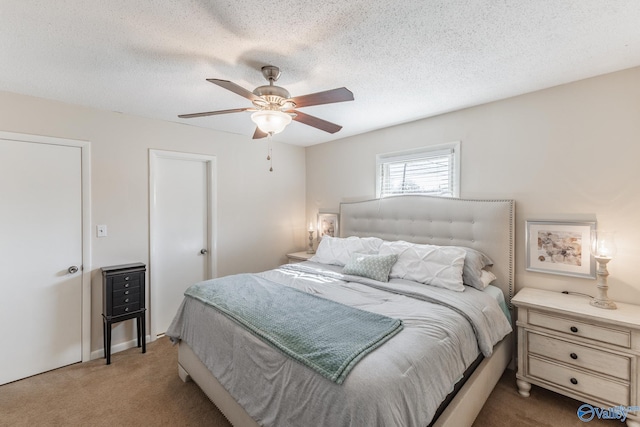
column 267, row 379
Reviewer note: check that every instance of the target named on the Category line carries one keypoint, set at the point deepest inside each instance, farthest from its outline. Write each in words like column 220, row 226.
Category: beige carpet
column 144, row 390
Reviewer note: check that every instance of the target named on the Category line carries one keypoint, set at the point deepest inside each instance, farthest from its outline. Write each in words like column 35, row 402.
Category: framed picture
column 561, row 248
column 327, row 225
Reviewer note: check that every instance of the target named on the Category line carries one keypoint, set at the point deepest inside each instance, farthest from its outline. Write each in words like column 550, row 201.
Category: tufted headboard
column 485, row 225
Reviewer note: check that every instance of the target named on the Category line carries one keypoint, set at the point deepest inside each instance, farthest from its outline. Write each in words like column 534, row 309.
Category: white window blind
column 429, row 170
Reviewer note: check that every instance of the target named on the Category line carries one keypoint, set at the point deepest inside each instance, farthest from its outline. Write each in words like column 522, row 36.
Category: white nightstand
column 587, row 353
column 299, row 257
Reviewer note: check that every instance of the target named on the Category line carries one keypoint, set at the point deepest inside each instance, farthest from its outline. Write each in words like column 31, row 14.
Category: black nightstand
column 123, row 299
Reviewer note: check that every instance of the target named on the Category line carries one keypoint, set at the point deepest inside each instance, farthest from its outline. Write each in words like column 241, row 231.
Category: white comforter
column 400, row 384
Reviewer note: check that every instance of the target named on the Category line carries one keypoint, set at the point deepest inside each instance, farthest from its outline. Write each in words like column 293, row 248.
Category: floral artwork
column 560, row 248
column 327, row 225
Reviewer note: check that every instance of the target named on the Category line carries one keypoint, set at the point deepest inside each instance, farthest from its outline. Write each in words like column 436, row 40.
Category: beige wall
column 567, row 152
column 261, row 215
column 572, row 151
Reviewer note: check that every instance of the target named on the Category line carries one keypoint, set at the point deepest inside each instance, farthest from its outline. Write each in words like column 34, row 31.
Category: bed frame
column 485, row 225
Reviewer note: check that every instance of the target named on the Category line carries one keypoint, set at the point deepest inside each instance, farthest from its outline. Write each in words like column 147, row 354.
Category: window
column 433, row 170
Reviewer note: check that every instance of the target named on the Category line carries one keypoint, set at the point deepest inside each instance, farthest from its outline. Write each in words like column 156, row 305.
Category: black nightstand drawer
column 126, row 297
column 134, row 284
column 126, row 277
column 126, row 309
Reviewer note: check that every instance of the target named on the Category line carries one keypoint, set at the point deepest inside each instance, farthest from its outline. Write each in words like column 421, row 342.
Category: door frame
column 85, row 164
column 211, row 163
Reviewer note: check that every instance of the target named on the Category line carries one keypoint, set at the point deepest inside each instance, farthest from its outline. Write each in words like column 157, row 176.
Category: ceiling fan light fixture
column 275, row 109
column 271, row 121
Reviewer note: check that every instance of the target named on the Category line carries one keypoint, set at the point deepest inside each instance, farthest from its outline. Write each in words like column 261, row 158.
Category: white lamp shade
column 271, row 121
column 603, row 244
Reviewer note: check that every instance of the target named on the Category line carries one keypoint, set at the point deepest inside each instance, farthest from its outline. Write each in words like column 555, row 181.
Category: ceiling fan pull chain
column 270, row 157
column 269, row 153
column 270, row 163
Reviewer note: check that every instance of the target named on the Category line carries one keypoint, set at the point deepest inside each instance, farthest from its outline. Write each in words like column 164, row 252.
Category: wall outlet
column 101, row 230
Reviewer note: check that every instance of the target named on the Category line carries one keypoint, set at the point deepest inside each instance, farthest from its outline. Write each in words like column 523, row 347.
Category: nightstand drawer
column 580, row 356
column 620, row 337
column 125, row 309
column 126, row 291
column 135, row 284
column 122, row 297
column 580, row 382
column 126, row 277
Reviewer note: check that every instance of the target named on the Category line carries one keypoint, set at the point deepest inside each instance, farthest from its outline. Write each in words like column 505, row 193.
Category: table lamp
column 603, row 248
column 311, row 230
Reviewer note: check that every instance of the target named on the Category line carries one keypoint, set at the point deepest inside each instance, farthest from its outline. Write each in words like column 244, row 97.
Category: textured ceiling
column 403, row 60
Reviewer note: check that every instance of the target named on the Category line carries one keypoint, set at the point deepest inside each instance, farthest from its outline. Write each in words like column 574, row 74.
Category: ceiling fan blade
column 327, row 97
column 213, row 113
column 259, row 134
column 235, row 88
column 316, row 122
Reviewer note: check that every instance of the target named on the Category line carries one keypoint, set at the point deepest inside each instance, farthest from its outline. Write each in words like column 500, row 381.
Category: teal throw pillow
column 376, row 267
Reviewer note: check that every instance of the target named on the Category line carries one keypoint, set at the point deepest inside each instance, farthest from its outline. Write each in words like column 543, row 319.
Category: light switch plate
column 101, row 230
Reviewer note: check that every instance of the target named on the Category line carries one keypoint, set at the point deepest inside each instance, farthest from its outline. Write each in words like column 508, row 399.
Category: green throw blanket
column 324, row 335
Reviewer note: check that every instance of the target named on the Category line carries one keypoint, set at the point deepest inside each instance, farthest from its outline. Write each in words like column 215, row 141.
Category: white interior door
column 182, row 249
column 40, row 240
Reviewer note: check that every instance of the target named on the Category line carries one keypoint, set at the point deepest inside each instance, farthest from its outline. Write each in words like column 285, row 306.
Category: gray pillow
column 376, row 267
column 474, row 262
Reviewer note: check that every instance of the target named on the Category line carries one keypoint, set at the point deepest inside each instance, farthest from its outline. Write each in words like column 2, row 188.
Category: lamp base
column 608, row 304
column 602, row 300
column 310, row 248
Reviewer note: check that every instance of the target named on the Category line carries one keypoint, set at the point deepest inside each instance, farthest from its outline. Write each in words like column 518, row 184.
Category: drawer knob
column 127, row 300
column 573, row 356
column 126, row 278
column 126, row 285
column 126, row 292
column 127, row 309
column 574, row 329
column 574, row 381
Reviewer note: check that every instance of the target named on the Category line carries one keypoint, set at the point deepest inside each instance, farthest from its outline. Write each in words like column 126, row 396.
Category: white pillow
column 486, row 277
column 338, row 251
column 439, row 266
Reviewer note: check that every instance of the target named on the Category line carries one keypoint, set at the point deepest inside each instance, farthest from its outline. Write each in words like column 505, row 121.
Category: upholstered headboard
column 485, row 225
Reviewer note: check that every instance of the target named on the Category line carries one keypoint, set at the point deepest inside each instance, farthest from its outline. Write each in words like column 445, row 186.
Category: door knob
column 203, row 251
column 73, row 269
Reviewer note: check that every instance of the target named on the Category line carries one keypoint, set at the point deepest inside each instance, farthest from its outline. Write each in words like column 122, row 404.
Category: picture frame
column 328, row 225
column 560, row 247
